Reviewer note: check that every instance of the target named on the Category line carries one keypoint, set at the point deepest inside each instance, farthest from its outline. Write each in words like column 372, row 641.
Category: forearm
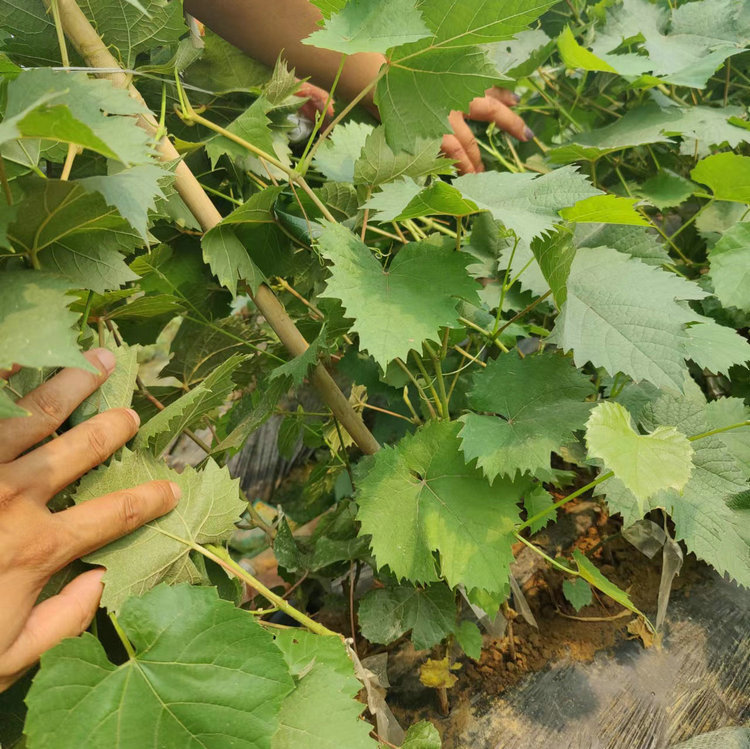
column 263, row 30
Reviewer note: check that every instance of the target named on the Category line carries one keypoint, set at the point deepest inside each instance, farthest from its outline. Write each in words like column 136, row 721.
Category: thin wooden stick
column 90, row 46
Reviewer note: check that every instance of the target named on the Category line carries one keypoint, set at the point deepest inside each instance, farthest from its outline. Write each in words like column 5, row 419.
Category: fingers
column 489, row 109
column 467, row 140
column 65, row 615
column 453, row 149
column 503, row 96
column 45, row 471
column 317, row 99
column 6, row 374
column 95, row 523
column 51, row 403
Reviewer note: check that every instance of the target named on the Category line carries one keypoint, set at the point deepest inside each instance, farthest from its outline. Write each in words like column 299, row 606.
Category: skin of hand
column 250, row 26
column 34, row 542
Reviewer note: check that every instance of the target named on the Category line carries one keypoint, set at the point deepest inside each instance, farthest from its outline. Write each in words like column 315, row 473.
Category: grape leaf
column 608, row 209
column 526, row 203
column 702, row 513
column 418, row 293
column 576, row 56
column 683, row 46
column 535, row 500
column 590, row 573
column 404, row 199
column 644, row 463
column 378, row 163
column 131, row 30
column 363, row 26
column 117, row 390
column 715, row 347
column 228, row 258
column 252, row 126
column 29, row 33
column 8, row 407
column 727, row 174
column 539, row 404
column 553, row 254
column 385, row 614
column 322, row 711
column 174, row 690
column 422, row 735
column 85, row 111
column 420, row 497
column 730, row 267
column 621, row 314
column 635, row 241
column 666, row 189
column 578, row 592
column 36, row 326
column 160, row 550
column 336, row 155
column 296, row 369
column 469, row 637
column 132, row 191
column 158, row 432
column 74, row 233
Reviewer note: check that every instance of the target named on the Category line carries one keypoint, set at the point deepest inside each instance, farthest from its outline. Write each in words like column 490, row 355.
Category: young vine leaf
column 730, row 267
column 160, row 551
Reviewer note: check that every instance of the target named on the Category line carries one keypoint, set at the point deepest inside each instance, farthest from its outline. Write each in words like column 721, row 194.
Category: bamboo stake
column 90, row 46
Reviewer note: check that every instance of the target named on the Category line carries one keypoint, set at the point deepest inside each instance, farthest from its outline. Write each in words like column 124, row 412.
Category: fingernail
column 176, row 491
column 528, row 133
column 135, row 417
column 516, row 99
column 106, row 358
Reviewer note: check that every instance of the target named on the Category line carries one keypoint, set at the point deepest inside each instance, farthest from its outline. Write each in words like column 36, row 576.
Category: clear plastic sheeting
column 633, row 698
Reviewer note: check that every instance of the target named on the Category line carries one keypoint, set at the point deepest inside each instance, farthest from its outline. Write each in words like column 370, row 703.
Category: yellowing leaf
column 438, row 674
column 605, row 209
column 645, row 463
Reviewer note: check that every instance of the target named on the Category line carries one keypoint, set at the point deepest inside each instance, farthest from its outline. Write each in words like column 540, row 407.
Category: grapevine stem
column 69, row 159
column 123, row 637
column 416, row 384
column 719, row 430
column 5, row 183
column 428, row 380
column 553, row 562
column 218, row 555
column 440, row 379
column 91, row 47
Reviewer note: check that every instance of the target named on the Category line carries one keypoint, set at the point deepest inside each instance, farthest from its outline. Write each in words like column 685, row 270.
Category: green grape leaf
column 296, row 369
column 228, row 258
column 223, row 68
column 363, row 26
column 117, row 390
column 684, row 45
column 405, row 199
column 730, row 267
column 252, row 126
column 622, row 315
column 130, row 29
column 198, row 350
column 703, row 511
column 74, row 233
column 591, row 575
column 715, row 347
column 554, row 254
column 36, row 326
column 337, row 155
column 422, row 735
column 420, row 497
column 537, row 404
column 577, row 592
column 576, row 56
column 526, row 203
column 132, row 191
column 726, row 412
column 469, row 637
column 160, row 550
column 666, row 189
column 174, row 690
column 644, row 463
column 378, row 163
column 85, row 111
column 635, row 241
column 385, row 614
column 535, row 500
column 727, row 174
column 608, row 209
column 322, row 710
column 415, row 296
column 255, row 225
column 187, row 411
column 29, row 33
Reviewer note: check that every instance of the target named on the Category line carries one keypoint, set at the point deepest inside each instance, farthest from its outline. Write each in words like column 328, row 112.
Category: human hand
column 35, row 543
column 317, row 98
column 494, row 106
